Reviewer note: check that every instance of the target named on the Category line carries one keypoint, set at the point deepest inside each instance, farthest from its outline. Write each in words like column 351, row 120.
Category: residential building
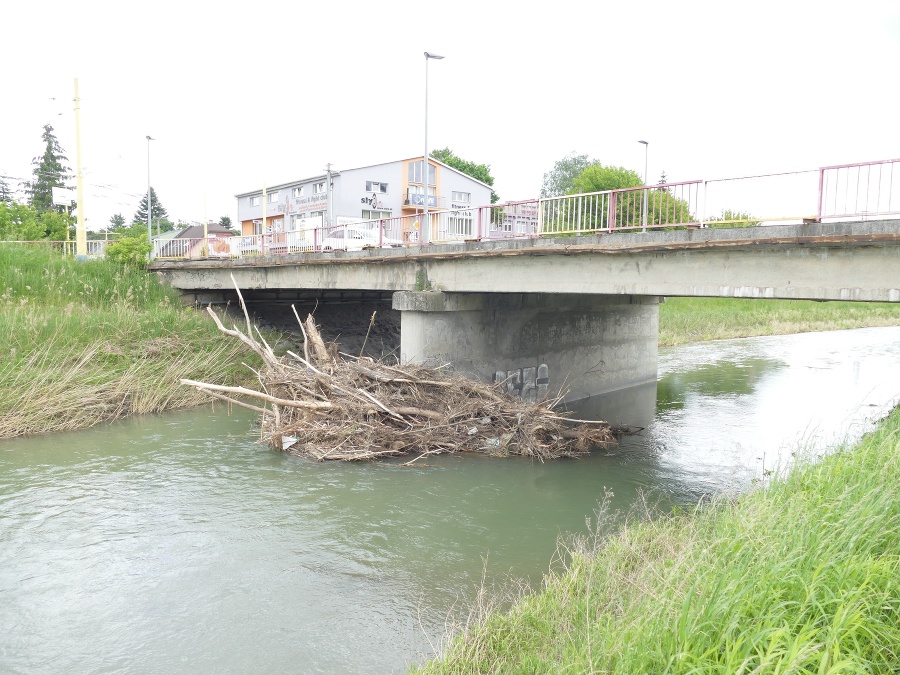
column 380, row 191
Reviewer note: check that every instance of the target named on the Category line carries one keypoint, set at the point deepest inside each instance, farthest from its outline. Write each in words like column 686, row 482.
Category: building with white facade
column 379, row 191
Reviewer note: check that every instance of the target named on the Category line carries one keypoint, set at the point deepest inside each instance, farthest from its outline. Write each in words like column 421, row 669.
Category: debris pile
column 325, row 405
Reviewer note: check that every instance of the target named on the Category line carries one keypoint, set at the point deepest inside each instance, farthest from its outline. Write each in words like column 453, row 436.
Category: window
column 273, row 197
column 255, row 201
column 460, row 225
column 373, row 186
column 317, row 214
column 297, row 192
column 257, row 226
column 275, row 225
column 415, row 173
column 319, row 188
column 376, row 215
column 462, row 197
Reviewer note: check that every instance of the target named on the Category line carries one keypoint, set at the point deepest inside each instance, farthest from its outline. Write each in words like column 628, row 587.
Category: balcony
column 417, row 200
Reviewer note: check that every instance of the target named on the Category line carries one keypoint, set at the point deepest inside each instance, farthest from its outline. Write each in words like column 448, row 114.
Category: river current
column 178, row 544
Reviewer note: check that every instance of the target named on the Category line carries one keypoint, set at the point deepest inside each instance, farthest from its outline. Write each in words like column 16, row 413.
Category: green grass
column 683, row 320
column 802, row 576
column 86, row 342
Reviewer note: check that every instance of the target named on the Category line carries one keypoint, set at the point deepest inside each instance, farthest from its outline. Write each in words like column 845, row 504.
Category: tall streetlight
column 425, row 228
column 644, row 212
column 149, row 198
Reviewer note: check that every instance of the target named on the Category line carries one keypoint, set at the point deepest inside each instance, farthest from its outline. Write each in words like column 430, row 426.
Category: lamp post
column 425, row 229
column 644, row 212
column 149, row 199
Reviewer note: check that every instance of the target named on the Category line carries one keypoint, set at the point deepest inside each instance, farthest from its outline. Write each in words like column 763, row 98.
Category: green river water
column 178, row 544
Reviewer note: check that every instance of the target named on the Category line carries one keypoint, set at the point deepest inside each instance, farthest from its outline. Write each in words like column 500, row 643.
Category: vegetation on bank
column 801, row 576
column 87, row 342
column 683, row 320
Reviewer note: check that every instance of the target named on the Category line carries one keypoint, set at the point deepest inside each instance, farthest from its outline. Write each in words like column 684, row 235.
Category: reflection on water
column 178, row 544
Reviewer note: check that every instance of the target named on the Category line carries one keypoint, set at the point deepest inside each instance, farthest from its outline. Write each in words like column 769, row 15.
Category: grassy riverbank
column 82, row 343
column 683, row 320
column 802, row 576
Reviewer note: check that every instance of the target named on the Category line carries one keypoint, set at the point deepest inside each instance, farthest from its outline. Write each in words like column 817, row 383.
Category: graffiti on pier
column 529, row 383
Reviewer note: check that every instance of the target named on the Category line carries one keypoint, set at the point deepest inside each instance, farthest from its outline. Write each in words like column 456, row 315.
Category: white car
column 353, row 239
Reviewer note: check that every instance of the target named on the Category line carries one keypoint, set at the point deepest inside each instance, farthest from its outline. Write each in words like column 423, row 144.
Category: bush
column 130, row 251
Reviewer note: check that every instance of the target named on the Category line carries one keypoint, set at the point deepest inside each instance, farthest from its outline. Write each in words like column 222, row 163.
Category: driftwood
column 324, row 406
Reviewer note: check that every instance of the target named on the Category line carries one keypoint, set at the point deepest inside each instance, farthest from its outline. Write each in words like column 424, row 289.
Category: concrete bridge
column 573, row 314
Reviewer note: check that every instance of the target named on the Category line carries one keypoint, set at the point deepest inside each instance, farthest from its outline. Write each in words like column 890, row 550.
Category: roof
column 196, row 231
column 357, row 168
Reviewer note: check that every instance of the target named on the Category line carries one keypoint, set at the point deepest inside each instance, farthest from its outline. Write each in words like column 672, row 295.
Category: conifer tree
column 50, row 170
column 6, row 193
column 159, row 211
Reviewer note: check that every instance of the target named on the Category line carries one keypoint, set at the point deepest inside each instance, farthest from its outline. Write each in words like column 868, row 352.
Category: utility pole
column 80, row 231
column 329, row 216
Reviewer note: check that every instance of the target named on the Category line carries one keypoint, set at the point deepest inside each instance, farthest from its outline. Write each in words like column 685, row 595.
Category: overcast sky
column 238, row 95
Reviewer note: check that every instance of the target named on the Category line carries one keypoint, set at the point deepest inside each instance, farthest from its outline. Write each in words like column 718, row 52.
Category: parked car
column 353, row 239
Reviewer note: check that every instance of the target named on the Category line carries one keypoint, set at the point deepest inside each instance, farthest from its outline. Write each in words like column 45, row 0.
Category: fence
column 859, row 190
column 863, row 190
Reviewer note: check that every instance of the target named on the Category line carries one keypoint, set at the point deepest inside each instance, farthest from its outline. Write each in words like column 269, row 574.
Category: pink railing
column 844, row 191
column 859, row 190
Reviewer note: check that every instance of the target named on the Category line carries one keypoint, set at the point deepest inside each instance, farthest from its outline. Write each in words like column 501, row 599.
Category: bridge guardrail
column 859, row 190
column 866, row 189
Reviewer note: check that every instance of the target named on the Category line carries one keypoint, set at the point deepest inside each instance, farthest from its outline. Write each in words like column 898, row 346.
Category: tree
column 116, row 222
column 732, row 218
column 560, row 180
column 480, row 172
column 6, row 193
column 225, row 222
column 49, row 171
column 663, row 179
column 597, row 178
column 159, row 211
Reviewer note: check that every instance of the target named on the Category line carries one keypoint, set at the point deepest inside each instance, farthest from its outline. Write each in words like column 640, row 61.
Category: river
column 178, row 544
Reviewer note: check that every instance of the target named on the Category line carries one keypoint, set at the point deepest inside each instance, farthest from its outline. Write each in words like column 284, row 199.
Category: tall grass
column 683, row 320
column 86, row 342
column 802, row 576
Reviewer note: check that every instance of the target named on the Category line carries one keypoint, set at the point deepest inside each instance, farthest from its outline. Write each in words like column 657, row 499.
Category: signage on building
column 419, row 200
column 306, row 204
column 375, row 203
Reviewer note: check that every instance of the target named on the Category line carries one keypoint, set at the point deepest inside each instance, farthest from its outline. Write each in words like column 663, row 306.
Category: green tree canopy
column 50, row 170
column 225, row 221
column 116, row 222
column 480, row 172
column 159, row 211
column 597, row 178
column 560, row 180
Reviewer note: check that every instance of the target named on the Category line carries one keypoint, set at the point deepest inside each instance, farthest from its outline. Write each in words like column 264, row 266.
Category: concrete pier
column 578, row 345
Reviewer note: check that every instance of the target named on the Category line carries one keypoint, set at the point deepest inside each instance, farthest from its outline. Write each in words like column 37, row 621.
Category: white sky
column 241, row 94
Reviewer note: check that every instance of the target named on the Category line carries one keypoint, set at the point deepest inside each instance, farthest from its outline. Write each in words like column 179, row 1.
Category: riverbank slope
column 88, row 342
column 801, row 576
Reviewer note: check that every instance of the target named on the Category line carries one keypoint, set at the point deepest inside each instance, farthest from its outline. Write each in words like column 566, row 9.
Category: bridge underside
column 576, row 315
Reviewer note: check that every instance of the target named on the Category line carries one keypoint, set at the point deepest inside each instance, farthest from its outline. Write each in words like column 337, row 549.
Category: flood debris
column 326, row 405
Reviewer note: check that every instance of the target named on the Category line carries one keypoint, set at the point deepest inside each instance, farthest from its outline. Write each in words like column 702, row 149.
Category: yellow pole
column 80, row 231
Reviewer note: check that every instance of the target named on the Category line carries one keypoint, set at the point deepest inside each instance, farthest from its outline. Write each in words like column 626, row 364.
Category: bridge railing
column 645, row 207
column 859, row 190
column 787, row 197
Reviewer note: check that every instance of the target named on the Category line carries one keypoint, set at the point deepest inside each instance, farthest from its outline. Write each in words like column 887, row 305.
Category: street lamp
column 644, row 212
column 425, row 172
column 149, row 198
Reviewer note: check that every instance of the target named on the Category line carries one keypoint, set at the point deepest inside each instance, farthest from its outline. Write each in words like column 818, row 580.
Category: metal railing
column 96, row 248
column 859, row 190
column 645, row 207
column 863, row 190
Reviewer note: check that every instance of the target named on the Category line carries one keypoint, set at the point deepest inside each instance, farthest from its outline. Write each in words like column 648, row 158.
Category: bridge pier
column 538, row 343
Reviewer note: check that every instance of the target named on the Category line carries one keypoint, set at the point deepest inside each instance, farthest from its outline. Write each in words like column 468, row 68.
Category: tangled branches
column 330, row 406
